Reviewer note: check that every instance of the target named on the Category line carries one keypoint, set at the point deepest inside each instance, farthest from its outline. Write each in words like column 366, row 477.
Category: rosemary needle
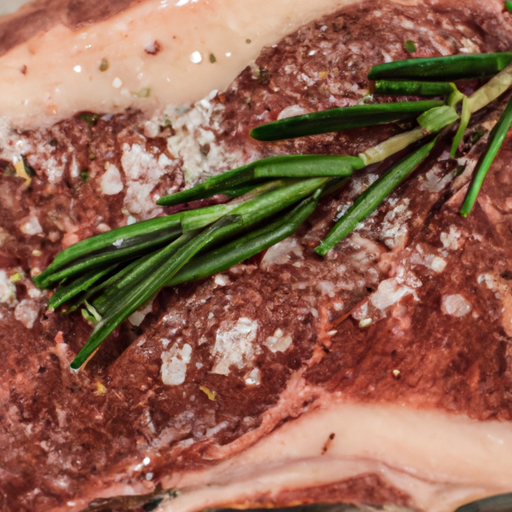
column 113, row 254
column 496, row 138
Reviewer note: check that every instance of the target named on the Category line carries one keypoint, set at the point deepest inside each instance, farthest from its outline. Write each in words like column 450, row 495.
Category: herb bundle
column 111, row 275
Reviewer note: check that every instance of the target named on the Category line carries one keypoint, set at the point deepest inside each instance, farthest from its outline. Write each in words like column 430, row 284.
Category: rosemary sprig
column 158, row 272
column 449, row 68
column 343, row 118
column 496, row 138
column 371, row 198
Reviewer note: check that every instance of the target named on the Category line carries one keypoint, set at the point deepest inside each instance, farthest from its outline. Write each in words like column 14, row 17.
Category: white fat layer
column 441, row 460
column 179, row 74
column 234, row 345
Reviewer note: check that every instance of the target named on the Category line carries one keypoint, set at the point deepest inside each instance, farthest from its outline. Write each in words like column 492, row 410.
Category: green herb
column 412, row 88
column 410, row 46
column 15, row 278
column 343, row 118
column 449, row 68
column 145, row 92
column 248, row 41
column 90, row 314
column 103, row 65
column 90, row 319
column 496, row 138
column 28, row 168
column 105, row 248
column 508, row 5
column 249, row 245
column 294, row 166
column 494, row 88
column 437, row 118
column 89, row 118
column 455, row 97
column 371, row 198
column 85, row 175
column 430, row 122
column 69, row 290
column 464, row 121
column 213, row 60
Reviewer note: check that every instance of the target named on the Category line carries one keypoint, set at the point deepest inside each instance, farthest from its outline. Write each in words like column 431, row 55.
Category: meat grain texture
column 432, row 289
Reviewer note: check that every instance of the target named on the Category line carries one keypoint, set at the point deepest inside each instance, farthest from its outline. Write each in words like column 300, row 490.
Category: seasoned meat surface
column 415, row 307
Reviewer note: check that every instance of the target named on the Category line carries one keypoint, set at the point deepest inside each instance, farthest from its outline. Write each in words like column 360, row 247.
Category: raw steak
column 379, row 375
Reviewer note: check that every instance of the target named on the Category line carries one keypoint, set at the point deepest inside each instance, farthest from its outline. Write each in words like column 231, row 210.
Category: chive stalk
column 371, row 198
column 160, row 270
column 126, row 237
column 430, row 122
column 291, row 167
column 67, row 291
column 412, row 88
column 247, row 246
column 463, row 124
column 343, row 118
column 494, row 88
column 496, row 138
column 449, row 68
